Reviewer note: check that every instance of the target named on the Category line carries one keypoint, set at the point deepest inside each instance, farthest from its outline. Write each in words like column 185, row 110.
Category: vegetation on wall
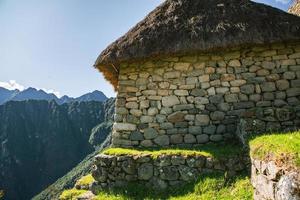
column 211, row 150
column 284, row 148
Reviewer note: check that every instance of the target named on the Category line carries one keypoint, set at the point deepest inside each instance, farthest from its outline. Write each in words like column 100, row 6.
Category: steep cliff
column 41, row 141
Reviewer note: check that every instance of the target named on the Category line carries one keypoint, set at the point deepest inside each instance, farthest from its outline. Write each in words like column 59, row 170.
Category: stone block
column 247, row 89
column 282, row 84
column 268, row 87
column 136, row 136
column 132, row 105
column 293, row 92
column 210, row 130
column 234, row 63
column 146, row 119
column 170, row 101
column 295, row 83
column 195, row 130
column 183, row 107
column 198, row 92
column 181, row 92
column 182, row 66
column 227, row 77
column 202, row 120
column 124, row 127
column 176, row 117
column 237, row 83
column 152, row 111
column 176, row 139
column 190, row 139
column 172, row 75
column 216, row 138
column 268, row 65
column 145, row 171
column 201, row 100
column 217, row 116
column 242, row 105
column 204, row 78
column 162, row 140
column 289, row 75
column 150, row 133
column 231, row 98
column 202, row 139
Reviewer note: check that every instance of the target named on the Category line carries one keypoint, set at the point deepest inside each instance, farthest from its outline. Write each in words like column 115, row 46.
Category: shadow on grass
column 208, row 186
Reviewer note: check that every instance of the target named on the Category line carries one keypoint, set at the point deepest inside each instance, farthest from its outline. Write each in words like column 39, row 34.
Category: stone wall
column 262, row 120
column 199, row 99
column 160, row 173
column 274, row 182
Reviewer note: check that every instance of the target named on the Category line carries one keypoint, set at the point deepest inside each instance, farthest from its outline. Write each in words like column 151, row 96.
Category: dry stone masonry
column 159, row 173
column 200, row 98
column 274, row 182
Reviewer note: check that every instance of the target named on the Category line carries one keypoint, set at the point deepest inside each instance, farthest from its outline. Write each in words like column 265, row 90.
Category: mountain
column 34, row 94
column 93, row 96
column 6, row 95
column 41, row 141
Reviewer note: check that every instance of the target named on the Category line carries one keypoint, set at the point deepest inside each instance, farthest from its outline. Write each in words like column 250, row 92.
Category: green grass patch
column 71, row 194
column 211, row 150
column 85, row 180
column 279, row 147
column 211, row 186
column 1, row 194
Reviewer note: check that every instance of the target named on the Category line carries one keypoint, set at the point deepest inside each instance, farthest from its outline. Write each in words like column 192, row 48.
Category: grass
column 1, row 194
column 283, row 148
column 211, row 186
column 214, row 186
column 211, row 150
column 71, row 194
column 85, row 181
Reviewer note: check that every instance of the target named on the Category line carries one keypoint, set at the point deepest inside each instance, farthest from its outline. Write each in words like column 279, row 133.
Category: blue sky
column 52, row 44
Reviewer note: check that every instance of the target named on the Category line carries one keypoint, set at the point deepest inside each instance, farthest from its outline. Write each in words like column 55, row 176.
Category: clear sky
column 53, row 44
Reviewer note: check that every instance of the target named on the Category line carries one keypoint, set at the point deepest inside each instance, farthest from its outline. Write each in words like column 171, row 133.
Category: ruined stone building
column 191, row 70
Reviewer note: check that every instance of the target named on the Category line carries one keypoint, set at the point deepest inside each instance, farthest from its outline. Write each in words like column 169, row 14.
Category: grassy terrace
column 211, row 186
column 211, row 150
column 284, row 148
column 214, row 186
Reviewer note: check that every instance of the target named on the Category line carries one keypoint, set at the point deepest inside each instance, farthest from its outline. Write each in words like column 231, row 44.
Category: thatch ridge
column 189, row 26
column 295, row 8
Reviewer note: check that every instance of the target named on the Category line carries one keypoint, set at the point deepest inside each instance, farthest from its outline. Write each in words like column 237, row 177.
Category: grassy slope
column 279, row 147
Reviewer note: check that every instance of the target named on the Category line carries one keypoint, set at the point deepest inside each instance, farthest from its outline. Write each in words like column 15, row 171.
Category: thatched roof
column 189, row 26
column 295, row 8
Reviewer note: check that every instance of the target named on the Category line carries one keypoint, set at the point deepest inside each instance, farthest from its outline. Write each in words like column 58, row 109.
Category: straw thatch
column 191, row 26
column 295, row 8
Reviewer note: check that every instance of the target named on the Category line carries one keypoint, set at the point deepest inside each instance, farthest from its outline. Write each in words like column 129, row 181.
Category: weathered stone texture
column 161, row 172
column 274, row 182
column 185, row 99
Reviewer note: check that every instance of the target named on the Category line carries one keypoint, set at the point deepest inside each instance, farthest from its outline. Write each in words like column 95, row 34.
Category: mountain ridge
column 35, row 94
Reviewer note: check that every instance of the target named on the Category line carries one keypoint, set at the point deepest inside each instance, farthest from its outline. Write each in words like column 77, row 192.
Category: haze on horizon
column 53, row 44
